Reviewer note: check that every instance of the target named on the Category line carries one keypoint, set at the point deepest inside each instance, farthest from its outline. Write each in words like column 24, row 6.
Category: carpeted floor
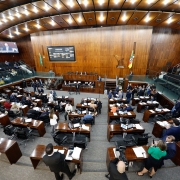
column 94, row 158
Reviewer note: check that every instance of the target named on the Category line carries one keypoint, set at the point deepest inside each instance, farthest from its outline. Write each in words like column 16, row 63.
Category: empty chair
column 9, row 131
column 23, row 133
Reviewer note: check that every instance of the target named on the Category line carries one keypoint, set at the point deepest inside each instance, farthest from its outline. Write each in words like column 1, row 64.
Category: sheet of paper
column 138, row 126
column 28, row 120
column 115, row 114
column 139, row 151
column 61, row 151
column 2, row 115
column 76, row 153
column 24, row 106
column 116, row 153
column 77, row 125
column 152, row 111
column 129, row 113
column 85, row 127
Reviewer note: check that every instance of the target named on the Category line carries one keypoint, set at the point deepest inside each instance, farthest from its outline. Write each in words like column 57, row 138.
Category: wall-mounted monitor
column 8, row 47
column 61, row 53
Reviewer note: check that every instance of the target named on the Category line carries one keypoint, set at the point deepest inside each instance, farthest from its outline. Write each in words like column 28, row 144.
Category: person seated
column 151, row 98
column 7, row 105
column 120, row 94
column 116, row 170
column 16, row 66
column 94, row 106
column 99, row 78
column 13, row 98
column 176, row 108
column 13, row 72
column 40, row 90
column 87, row 116
column 114, row 108
column 173, row 130
column 23, row 99
column 28, row 102
column 171, row 147
column 1, row 81
column 6, row 63
column 128, row 108
column 15, row 108
column 34, row 112
column 141, row 92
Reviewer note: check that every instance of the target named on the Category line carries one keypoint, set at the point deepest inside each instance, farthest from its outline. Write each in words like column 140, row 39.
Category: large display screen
column 8, row 47
column 61, row 53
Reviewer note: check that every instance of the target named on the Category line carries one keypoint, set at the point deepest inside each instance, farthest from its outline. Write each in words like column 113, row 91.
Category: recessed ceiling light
column 158, row 20
column 136, row 18
column 101, row 2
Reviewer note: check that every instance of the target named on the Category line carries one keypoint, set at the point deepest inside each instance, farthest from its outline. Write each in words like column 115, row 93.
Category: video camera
column 122, row 156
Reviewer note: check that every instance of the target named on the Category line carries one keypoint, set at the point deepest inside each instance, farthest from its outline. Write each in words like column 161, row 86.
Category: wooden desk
column 116, row 129
column 39, row 152
column 148, row 114
column 4, row 119
column 82, row 106
column 141, row 106
column 24, row 109
column 71, row 100
column 35, row 124
column 129, row 153
column 111, row 116
column 157, row 130
column 2, row 101
column 39, row 102
column 11, row 149
column 64, row 128
column 19, row 97
column 114, row 101
column 71, row 116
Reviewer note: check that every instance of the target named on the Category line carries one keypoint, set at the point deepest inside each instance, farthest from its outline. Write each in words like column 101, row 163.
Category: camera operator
column 117, row 170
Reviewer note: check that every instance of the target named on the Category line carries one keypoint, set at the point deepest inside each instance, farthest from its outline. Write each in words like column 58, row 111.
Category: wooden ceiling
column 22, row 17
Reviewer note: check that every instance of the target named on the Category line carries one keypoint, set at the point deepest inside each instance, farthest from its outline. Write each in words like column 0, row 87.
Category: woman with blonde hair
column 15, row 108
column 153, row 162
column 53, row 119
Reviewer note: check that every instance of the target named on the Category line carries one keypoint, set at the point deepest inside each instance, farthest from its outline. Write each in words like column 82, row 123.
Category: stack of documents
column 115, row 114
column 28, row 120
column 166, row 110
column 163, row 123
column 140, row 152
column 136, row 98
column 85, row 127
column 152, row 111
column 76, row 153
column 138, row 126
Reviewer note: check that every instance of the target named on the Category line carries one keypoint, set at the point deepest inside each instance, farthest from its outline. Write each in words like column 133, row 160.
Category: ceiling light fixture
column 169, row 21
column 71, row 4
column 11, row 18
column 147, row 19
column 85, row 2
column 133, row 1
column 52, row 23
column 58, row 6
column 149, row 1
column 124, row 17
column 101, row 18
column 18, row 15
column 26, row 12
column 80, row 18
column 35, row 10
column 116, row 1
column 70, row 20
column 38, row 26
column 101, row 2
column 46, row 7
column 10, row 35
column 165, row 2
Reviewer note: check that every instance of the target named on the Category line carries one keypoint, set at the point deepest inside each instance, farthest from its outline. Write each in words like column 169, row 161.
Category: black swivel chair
column 9, row 131
column 23, row 133
column 45, row 119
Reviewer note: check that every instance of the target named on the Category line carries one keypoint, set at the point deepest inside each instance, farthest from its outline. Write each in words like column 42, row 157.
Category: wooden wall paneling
column 95, row 49
column 164, row 48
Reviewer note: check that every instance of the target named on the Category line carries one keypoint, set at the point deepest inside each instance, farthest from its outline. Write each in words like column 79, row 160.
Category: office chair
column 45, row 119
column 89, row 121
column 23, row 133
column 80, row 141
column 9, row 131
column 30, row 115
column 12, row 114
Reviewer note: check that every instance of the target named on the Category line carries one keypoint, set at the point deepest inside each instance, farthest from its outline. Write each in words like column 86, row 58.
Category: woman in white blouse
column 50, row 97
column 53, row 119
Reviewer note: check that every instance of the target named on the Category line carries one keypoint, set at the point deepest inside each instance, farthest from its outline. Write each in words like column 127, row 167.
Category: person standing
column 24, row 84
column 53, row 119
column 68, row 109
column 56, row 162
column 77, row 88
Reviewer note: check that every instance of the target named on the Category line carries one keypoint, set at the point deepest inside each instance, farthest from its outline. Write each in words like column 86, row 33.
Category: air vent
column 158, row 20
column 112, row 18
column 178, row 22
column 90, row 19
column 60, row 22
column 136, row 18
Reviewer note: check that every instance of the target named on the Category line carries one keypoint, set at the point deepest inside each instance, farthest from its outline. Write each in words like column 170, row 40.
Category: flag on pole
column 40, row 59
column 131, row 60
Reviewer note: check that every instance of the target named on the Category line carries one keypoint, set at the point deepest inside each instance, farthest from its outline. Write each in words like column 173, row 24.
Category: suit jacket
column 56, row 162
column 114, row 174
column 171, row 149
column 175, row 131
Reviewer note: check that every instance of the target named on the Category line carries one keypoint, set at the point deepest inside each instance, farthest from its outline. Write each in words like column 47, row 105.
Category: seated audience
column 13, row 98
column 114, row 108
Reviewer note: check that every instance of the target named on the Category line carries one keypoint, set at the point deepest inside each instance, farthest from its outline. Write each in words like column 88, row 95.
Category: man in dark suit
column 77, row 88
column 116, row 170
column 174, row 130
column 56, row 163
column 24, row 84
